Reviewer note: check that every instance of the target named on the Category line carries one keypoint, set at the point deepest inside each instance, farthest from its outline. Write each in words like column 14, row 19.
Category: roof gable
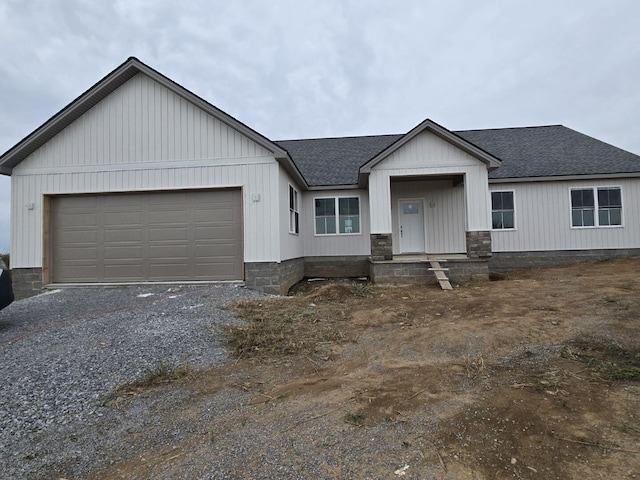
column 438, row 130
column 108, row 85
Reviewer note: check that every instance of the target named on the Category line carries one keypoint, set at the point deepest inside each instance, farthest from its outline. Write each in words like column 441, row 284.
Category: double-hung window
column 596, row 207
column 502, row 210
column 294, row 211
column 337, row 215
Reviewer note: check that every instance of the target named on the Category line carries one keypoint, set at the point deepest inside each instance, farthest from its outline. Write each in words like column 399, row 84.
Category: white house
column 140, row 180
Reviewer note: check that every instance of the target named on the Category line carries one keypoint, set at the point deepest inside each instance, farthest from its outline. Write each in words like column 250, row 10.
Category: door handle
column 400, row 231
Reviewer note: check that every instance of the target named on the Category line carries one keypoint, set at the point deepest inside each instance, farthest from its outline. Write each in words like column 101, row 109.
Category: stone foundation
column 381, row 246
column 27, row 282
column 336, row 267
column 503, row 261
column 272, row 277
column 411, row 272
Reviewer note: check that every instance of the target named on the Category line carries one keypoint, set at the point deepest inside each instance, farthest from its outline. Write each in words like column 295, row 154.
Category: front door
column 411, row 223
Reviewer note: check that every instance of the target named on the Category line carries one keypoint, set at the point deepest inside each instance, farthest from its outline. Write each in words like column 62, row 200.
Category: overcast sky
column 300, row 69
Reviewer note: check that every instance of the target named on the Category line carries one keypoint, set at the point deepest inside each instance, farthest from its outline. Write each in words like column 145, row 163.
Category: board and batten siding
column 543, row 218
column 428, row 154
column 334, row 245
column 143, row 137
column 291, row 244
column 444, row 214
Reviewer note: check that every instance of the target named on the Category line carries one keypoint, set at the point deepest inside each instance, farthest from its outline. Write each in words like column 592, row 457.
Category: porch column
column 380, row 216
column 478, row 203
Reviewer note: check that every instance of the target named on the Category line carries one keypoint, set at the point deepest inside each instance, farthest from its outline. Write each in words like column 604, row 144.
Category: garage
column 193, row 235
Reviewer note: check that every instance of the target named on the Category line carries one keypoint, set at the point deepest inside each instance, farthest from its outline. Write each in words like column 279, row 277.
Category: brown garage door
column 160, row 236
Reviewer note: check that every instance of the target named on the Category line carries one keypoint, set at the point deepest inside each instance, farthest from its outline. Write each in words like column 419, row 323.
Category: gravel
column 63, row 351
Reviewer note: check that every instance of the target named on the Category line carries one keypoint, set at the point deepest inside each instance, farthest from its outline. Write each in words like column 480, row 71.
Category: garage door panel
column 119, row 235
column 168, row 216
column 215, row 233
column 181, row 236
column 162, row 252
column 170, row 233
column 123, row 252
column 122, row 218
column 78, row 237
column 76, row 254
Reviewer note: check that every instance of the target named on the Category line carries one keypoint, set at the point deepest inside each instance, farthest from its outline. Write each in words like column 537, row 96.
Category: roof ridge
column 507, row 128
column 341, row 138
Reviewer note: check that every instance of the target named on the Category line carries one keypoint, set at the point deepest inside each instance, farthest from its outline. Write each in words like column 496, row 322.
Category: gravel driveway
column 62, row 351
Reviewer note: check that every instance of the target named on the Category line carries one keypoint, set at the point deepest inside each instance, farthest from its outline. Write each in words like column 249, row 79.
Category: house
column 140, row 180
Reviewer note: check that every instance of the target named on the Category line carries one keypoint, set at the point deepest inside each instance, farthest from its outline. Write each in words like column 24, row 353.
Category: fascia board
column 564, row 178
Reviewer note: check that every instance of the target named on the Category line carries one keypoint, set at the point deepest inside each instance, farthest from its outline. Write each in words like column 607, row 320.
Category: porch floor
column 424, row 257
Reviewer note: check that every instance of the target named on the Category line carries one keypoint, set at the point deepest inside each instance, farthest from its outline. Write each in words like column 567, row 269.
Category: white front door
column 411, row 224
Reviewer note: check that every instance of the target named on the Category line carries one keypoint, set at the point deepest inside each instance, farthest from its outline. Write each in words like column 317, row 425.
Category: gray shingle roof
column 335, row 161
column 546, row 151
column 550, row 151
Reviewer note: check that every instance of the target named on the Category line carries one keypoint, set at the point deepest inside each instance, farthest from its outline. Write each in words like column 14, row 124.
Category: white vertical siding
column 427, row 150
column 543, row 218
column 144, row 137
column 142, row 121
column 291, row 245
column 478, row 202
column 444, row 209
column 380, row 201
column 428, row 155
column 334, row 245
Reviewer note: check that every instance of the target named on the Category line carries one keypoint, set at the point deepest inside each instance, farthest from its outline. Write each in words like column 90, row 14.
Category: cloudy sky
column 300, row 69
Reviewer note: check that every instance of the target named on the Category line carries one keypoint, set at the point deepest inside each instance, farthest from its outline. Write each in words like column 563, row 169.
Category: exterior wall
column 336, row 267
column 26, row 282
column 444, row 208
column 144, row 137
column 543, row 218
column 291, row 245
column 334, row 245
column 503, row 261
column 427, row 154
column 274, row 277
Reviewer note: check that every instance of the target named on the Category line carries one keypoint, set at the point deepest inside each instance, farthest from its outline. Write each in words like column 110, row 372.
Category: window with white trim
column 502, row 210
column 337, row 215
column 294, row 211
column 596, row 207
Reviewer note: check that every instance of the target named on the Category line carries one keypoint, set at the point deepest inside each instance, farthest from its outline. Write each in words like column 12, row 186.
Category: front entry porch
column 414, row 269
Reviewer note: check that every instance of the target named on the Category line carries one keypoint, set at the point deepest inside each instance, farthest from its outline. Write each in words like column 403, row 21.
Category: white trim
column 337, row 216
column 596, row 208
column 167, row 165
column 563, row 178
column 295, row 210
column 515, row 217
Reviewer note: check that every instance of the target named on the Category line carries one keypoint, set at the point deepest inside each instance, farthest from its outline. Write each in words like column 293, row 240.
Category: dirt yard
column 535, row 375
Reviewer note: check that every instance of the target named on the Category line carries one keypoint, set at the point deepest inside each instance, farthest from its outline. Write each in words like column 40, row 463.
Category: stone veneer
column 479, row 244
column 337, row 267
column 412, row 272
column 381, row 246
column 273, row 277
column 27, row 282
column 503, row 261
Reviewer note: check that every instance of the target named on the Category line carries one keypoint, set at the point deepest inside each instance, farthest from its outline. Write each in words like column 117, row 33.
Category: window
column 596, row 207
column 294, row 211
column 337, row 215
column 609, row 206
column 502, row 210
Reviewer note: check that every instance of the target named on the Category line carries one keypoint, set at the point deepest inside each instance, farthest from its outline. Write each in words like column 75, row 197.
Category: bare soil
column 533, row 376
